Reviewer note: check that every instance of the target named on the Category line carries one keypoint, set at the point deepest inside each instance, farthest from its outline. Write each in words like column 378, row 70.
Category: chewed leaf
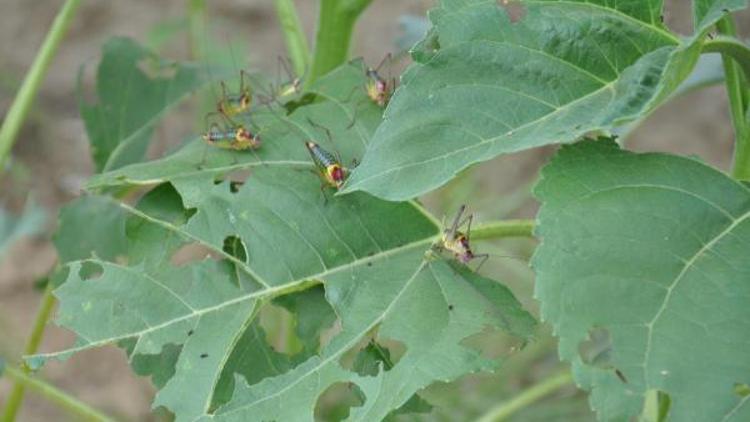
column 426, row 305
column 650, row 253
column 207, row 248
column 490, row 81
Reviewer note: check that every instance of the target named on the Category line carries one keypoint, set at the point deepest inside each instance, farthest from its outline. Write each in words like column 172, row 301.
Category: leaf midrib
column 346, row 346
column 269, row 292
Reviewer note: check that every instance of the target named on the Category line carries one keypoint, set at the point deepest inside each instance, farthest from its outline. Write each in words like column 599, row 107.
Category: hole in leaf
column 234, row 187
column 741, row 389
column 276, row 322
column 313, row 317
column 90, row 271
column 337, row 400
column 162, row 202
column 373, row 354
column 191, row 252
column 514, row 9
column 597, row 349
column 371, row 358
column 657, row 402
column 236, row 179
column 235, row 247
column 161, row 367
column 303, row 101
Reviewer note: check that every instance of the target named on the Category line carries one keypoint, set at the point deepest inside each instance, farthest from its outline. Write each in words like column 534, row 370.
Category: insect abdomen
column 321, row 157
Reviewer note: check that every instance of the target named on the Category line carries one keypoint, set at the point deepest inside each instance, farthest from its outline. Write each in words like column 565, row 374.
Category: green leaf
column 485, row 84
column 90, row 226
column 184, row 299
column 707, row 12
column 135, row 87
column 651, row 250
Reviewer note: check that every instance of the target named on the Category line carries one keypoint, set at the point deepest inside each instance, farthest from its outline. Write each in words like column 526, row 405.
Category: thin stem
column 527, row 397
column 504, row 228
column 296, row 43
column 335, row 26
column 25, row 96
column 732, row 47
column 42, row 316
column 197, row 22
column 735, row 82
column 81, row 410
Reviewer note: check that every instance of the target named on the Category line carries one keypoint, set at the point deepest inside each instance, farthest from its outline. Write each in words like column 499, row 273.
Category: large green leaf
column 648, row 255
column 485, row 84
column 192, row 325
column 135, row 87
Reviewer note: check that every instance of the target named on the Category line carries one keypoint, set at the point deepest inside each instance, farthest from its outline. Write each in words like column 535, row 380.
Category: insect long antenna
column 455, row 225
column 319, row 126
column 388, row 57
column 484, row 257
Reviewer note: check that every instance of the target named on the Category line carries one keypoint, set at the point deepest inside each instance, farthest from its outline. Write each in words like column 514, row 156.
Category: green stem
column 197, row 25
column 731, row 47
column 735, row 82
column 296, row 43
column 527, row 397
column 81, row 410
column 42, row 316
column 505, row 228
column 25, row 96
column 335, row 27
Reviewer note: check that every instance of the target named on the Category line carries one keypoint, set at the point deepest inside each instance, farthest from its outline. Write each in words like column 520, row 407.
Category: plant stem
column 335, row 27
column 505, row 228
column 16, row 394
column 25, row 96
column 81, row 410
column 735, row 82
column 527, row 397
column 731, row 47
column 296, row 43
column 197, row 25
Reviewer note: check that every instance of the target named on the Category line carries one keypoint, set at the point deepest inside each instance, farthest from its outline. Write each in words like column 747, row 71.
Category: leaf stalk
column 528, row 397
column 15, row 398
column 296, row 43
column 74, row 406
column 734, row 54
column 24, row 98
column 335, row 26
column 503, row 228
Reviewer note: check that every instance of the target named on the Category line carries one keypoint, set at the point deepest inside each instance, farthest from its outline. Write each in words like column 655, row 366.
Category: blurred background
column 51, row 161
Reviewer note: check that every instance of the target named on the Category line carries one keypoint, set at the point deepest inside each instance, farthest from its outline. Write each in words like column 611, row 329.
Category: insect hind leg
column 484, row 257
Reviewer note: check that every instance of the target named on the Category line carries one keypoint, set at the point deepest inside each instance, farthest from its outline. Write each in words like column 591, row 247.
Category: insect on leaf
column 192, row 324
column 492, row 79
column 647, row 255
